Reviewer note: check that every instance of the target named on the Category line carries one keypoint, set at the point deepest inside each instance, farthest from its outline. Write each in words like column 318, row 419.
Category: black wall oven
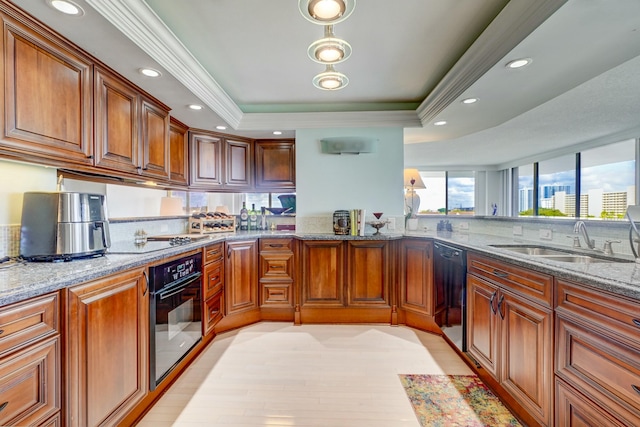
column 175, row 314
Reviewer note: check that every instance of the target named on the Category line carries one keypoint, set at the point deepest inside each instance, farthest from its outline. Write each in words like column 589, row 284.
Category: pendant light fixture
column 330, row 49
column 326, row 12
column 330, row 79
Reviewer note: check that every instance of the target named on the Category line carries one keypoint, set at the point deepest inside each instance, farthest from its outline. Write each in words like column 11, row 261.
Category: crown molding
column 512, row 25
column 142, row 26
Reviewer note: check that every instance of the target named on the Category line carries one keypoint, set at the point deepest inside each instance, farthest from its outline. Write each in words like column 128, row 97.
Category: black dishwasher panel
column 450, row 274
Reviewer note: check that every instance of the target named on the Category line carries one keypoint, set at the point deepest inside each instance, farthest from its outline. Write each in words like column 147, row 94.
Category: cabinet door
column 241, row 276
column 573, row 409
column 108, row 348
column 526, row 331
column 205, row 154
column 155, row 140
column 48, row 111
column 368, row 273
column 30, row 381
column 416, row 276
column 482, row 323
column 275, row 165
column 179, row 153
column 239, row 164
column 322, row 273
column 116, row 119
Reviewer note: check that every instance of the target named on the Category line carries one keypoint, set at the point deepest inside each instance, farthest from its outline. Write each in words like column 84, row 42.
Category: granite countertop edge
column 26, row 280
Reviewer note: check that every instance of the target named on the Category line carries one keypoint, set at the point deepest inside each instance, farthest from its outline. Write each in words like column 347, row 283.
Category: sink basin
column 557, row 254
column 532, row 250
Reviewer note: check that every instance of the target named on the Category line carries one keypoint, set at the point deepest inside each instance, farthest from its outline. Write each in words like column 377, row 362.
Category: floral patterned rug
column 455, row 400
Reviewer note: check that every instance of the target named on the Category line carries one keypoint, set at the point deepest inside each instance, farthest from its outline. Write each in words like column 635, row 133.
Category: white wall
column 15, row 179
column 328, row 182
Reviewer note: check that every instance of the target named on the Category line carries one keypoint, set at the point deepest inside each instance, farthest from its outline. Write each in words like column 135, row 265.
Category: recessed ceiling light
column 470, row 100
column 277, row 132
column 67, row 7
column 518, row 63
column 195, row 106
column 440, row 123
column 220, row 127
column 150, row 72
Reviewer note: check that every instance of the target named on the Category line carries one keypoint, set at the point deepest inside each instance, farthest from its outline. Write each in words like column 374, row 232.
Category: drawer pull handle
column 275, row 245
column 500, row 307
column 636, row 388
column 275, row 266
column 500, row 274
column 636, row 321
column 1, row 331
column 493, row 297
column 215, row 279
column 4, row 405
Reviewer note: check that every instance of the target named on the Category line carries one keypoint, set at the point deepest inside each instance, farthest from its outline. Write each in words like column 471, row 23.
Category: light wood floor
column 277, row 374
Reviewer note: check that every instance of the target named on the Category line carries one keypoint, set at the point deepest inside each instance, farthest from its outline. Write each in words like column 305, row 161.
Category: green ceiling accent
column 338, row 107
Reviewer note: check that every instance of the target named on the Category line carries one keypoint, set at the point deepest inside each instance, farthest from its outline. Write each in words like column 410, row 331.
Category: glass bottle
column 244, row 217
column 253, row 218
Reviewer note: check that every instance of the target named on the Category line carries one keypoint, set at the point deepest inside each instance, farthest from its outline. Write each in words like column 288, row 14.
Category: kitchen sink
column 558, row 254
column 532, row 250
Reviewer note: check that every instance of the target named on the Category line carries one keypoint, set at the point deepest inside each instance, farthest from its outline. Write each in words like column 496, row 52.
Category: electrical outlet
column 391, row 225
column 517, row 230
column 546, row 234
column 464, row 226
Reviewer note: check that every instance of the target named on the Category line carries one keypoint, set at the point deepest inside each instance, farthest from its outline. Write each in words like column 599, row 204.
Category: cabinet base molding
column 238, row 320
column 345, row 315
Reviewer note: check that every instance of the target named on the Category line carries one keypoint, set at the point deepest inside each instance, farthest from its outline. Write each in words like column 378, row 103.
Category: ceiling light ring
column 330, row 79
column 342, row 9
column 327, row 44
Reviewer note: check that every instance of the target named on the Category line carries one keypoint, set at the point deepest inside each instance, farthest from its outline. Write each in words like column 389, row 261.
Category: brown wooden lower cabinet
column 276, row 273
column 416, row 276
column 597, row 356
column 30, row 362
column 510, row 335
column 30, row 380
column 213, row 287
column 346, row 281
column 241, row 276
column 107, row 348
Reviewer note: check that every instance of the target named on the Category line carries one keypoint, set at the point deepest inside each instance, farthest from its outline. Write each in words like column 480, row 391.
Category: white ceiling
column 246, row 61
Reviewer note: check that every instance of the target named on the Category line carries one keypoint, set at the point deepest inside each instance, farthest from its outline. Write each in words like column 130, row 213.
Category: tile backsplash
column 9, row 240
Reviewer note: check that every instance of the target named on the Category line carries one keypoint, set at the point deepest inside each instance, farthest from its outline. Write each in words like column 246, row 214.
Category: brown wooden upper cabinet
column 275, row 164
column 47, row 98
column 132, row 130
column 179, row 153
column 219, row 162
column 239, row 164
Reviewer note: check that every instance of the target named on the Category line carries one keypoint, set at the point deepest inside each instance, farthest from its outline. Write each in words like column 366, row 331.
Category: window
column 525, row 190
column 433, row 199
column 461, row 193
column 557, row 186
column 607, row 180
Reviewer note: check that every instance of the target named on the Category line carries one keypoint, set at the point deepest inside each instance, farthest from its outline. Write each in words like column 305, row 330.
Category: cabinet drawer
column 600, row 366
column 213, row 279
column 573, row 409
column 213, row 312
column 276, row 245
column 30, row 385
column 26, row 322
column 213, row 252
column 276, row 295
column 614, row 313
column 275, row 266
column 525, row 282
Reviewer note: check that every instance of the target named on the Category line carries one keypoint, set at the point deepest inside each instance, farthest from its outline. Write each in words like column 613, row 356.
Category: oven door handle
column 178, row 287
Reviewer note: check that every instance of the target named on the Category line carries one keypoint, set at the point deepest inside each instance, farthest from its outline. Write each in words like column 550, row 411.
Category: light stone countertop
column 25, row 280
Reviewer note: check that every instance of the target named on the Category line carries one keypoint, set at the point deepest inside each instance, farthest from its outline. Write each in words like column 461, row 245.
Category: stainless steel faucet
column 581, row 226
